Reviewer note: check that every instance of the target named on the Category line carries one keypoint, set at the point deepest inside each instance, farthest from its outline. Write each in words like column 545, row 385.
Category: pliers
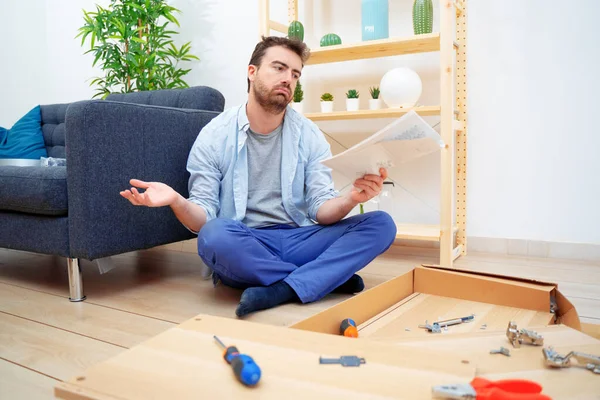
column 480, row 388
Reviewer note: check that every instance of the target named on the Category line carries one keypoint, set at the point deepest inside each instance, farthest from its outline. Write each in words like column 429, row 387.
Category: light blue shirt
column 218, row 167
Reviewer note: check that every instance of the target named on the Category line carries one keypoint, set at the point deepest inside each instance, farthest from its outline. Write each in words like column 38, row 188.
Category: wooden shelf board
column 424, row 111
column 429, row 233
column 375, row 48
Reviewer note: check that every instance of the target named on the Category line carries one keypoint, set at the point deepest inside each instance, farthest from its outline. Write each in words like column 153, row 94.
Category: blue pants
column 313, row 260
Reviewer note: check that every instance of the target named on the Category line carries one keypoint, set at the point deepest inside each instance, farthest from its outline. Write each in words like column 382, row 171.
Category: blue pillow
column 25, row 139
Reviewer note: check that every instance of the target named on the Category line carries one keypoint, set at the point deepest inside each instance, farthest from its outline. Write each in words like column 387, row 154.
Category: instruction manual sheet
column 407, row 138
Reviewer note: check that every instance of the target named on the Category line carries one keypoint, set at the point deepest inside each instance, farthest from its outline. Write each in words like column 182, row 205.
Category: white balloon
column 400, row 87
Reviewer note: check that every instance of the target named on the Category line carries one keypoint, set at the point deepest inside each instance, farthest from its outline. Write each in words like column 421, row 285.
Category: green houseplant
column 374, row 101
column 132, row 41
column 298, row 97
column 352, row 100
column 326, row 102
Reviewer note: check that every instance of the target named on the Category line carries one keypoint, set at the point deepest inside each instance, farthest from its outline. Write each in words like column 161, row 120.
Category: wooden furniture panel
column 393, row 323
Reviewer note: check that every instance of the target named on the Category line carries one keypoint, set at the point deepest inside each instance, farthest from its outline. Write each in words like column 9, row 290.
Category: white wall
column 534, row 136
column 531, row 81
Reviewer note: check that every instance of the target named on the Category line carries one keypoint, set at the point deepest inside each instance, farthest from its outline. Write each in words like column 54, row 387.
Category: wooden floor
column 44, row 338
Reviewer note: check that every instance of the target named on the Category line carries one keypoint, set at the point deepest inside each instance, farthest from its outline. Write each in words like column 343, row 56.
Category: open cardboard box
column 447, row 284
column 184, row 361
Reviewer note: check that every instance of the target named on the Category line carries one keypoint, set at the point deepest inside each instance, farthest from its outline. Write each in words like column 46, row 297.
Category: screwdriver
column 348, row 328
column 244, row 367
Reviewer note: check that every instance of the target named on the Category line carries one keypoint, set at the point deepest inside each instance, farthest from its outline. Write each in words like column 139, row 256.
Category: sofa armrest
column 107, row 144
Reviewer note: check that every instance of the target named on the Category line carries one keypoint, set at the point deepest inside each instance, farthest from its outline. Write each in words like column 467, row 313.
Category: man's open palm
column 156, row 194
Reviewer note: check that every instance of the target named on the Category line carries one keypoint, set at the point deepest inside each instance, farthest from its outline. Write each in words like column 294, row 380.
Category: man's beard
column 273, row 103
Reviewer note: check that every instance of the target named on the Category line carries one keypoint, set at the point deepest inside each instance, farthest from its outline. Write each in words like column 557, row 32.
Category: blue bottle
column 375, row 19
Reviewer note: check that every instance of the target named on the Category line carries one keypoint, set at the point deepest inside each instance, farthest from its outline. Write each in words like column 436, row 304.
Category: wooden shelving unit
column 450, row 43
column 363, row 114
column 375, row 49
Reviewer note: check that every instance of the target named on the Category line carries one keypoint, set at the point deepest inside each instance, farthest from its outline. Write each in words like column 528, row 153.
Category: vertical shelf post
column 447, row 30
column 461, row 136
column 292, row 10
column 264, row 17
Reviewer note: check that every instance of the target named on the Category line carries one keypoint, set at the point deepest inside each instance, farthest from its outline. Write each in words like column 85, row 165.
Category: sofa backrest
column 197, row 97
column 53, row 127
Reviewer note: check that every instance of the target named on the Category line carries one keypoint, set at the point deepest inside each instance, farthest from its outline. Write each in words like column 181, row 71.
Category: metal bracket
column 517, row 337
column 588, row 361
column 436, row 327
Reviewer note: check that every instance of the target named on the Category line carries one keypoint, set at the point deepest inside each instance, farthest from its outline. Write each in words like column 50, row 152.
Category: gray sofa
column 76, row 211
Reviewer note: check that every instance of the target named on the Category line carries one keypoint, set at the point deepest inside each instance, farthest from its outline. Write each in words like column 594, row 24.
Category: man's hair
column 295, row 45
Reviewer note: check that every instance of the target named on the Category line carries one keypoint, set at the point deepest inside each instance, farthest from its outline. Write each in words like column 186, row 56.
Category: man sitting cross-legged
column 265, row 210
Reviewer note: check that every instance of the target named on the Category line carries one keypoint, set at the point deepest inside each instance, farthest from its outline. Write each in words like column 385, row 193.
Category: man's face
column 274, row 82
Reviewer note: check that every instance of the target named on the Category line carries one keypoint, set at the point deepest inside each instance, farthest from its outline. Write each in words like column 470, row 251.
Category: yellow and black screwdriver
column 244, row 367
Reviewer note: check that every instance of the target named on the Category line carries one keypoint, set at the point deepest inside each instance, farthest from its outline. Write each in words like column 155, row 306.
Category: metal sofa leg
column 75, row 280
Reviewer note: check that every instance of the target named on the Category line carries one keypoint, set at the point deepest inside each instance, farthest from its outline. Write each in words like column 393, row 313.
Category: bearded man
column 267, row 216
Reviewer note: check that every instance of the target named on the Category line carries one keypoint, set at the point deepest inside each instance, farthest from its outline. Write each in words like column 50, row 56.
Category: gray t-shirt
column 265, row 205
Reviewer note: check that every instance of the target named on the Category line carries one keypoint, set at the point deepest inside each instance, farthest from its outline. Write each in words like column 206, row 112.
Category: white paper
column 407, row 138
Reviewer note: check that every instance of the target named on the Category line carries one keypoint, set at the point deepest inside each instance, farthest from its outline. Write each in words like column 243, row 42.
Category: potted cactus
column 422, row 16
column 298, row 97
column 352, row 103
column 296, row 30
column 374, row 101
column 326, row 102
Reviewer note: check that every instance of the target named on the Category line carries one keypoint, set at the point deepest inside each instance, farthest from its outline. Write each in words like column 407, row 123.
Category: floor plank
column 53, row 352
column 18, row 383
column 163, row 287
column 87, row 319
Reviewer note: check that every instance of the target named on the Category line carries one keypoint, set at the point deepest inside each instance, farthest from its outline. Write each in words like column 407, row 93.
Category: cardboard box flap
column 492, row 275
column 360, row 307
column 566, row 313
column 483, row 288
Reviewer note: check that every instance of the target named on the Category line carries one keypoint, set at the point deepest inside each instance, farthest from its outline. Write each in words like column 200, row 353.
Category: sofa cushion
column 53, row 127
column 34, row 190
column 25, row 138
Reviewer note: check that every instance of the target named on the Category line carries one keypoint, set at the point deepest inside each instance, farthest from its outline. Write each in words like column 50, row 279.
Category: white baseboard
column 535, row 248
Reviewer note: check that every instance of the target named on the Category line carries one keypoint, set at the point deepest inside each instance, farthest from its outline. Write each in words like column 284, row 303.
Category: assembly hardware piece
column 502, row 350
column 517, row 337
column 588, row 361
column 436, row 327
column 460, row 391
column 346, row 361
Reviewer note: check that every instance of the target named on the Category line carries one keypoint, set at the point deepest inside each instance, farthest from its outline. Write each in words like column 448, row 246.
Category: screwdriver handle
column 348, row 328
column 244, row 367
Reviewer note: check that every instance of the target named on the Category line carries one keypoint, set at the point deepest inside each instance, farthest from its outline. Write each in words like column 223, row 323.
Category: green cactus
column 296, row 30
column 352, row 94
column 330, row 39
column 374, row 92
column 422, row 16
column 298, row 93
column 326, row 97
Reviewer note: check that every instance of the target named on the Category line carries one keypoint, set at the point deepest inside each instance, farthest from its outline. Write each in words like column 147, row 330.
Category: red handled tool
column 480, row 388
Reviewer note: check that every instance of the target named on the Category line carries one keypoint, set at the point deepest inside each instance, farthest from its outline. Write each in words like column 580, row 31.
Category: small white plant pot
column 326, row 106
column 298, row 107
column 374, row 104
column 352, row 104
